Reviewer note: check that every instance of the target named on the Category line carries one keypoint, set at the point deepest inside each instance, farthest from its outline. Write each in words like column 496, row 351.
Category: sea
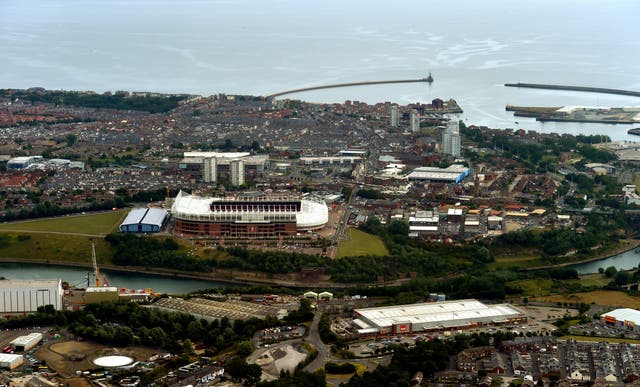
column 261, row 47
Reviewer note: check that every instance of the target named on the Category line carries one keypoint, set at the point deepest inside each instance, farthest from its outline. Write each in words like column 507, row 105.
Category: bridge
column 429, row 79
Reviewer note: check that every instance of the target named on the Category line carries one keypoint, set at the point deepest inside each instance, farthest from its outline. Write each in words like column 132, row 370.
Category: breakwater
column 575, row 88
column 367, row 83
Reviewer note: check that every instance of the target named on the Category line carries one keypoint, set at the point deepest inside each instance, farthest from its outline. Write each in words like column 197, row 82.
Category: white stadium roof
column 312, row 214
column 625, row 314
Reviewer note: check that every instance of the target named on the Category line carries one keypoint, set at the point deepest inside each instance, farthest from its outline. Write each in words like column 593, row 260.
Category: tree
column 245, row 348
column 239, row 369
column 622, row 277
column 71, row 139
column 123, row 335
column 187, row 346
column 610, row 272
column 398, row 227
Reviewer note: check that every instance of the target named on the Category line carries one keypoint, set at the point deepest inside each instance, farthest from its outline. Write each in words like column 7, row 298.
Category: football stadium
column 247, row 216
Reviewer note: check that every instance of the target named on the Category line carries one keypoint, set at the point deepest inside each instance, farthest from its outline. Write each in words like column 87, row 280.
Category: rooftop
column 437, row 312
column 32, row 283
column 625, row 314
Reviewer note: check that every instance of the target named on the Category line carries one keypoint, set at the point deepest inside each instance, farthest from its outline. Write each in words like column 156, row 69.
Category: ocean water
column 260, row 47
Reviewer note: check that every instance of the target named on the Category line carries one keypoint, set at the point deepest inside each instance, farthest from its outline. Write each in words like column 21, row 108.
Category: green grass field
column 95, row 224
column 53, row 247
column 361, row 243
column 519, row 262
column 532, row 287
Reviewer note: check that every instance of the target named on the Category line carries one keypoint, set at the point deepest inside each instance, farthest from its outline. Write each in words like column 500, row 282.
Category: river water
column 262, row 47
column 78, row 277
column 625, row 261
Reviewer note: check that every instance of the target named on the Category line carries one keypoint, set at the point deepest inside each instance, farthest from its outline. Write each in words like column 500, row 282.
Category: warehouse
column 431, row 316
column 25, row 343
column 10, row 361
column 453, row 174
column 627, row 319
column 144, row 220
column 25, row 296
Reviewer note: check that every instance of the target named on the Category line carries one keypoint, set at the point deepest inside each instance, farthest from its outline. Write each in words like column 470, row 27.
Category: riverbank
column 227, row 277
column 632, row 244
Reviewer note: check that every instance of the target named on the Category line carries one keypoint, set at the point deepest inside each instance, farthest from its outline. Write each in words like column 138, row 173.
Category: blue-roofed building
column 144, row 220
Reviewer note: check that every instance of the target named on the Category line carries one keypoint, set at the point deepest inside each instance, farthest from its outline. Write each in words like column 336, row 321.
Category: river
column 624, row 261
column 262, row 47
column 78, row 277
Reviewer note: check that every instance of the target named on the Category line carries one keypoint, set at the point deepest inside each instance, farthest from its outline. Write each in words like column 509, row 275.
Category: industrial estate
column 345, row 243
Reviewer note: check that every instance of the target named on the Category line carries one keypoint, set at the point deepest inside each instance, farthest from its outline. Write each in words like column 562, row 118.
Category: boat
column 634, row 131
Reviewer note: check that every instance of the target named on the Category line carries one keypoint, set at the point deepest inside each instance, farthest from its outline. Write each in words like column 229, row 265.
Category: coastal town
column 360, row 243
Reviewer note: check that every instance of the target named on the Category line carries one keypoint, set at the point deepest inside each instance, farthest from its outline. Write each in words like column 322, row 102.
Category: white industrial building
column 423, row 223
column 25, row 343
column 23, row 162
column 453, row 174
column 25, row 296
column 432, row 316
column 144, row 220
column 329, row 160
column 214, row 165
column 11, row 361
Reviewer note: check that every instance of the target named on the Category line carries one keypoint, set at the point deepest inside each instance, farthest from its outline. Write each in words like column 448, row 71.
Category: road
column 324, row 351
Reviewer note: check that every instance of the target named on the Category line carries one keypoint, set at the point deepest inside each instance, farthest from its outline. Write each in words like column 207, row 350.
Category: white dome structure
column 113, row 361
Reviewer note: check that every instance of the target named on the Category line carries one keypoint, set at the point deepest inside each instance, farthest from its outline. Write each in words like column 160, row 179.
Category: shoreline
column 634, row 244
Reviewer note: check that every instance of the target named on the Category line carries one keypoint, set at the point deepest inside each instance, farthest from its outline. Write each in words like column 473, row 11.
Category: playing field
column 361, row 243
column 94, row 224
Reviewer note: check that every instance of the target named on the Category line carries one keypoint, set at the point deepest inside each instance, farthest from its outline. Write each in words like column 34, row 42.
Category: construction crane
column 95, row 264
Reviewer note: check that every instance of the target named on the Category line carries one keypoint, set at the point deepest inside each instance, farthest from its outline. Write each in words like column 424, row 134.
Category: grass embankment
column 537, row 287
column 361, row 243
column 96, row 224
column 52, row 248
column 611, row 298
column 60, row 240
